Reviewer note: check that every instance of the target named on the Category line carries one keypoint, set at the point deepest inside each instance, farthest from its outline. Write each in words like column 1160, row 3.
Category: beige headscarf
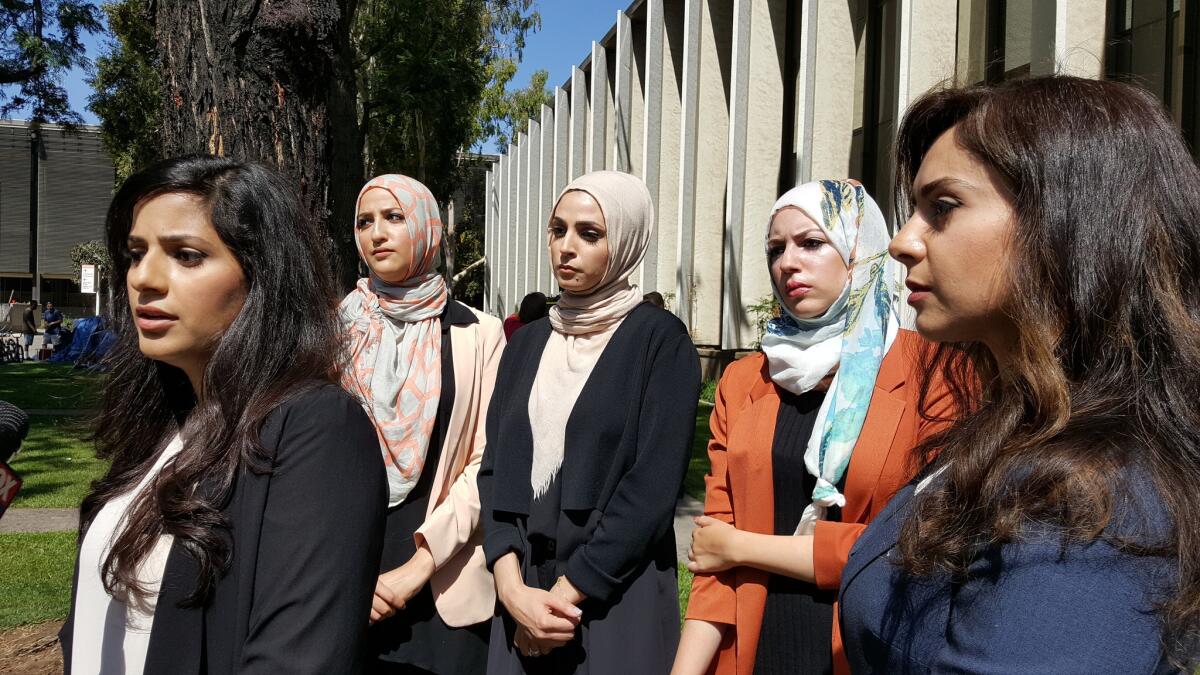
column 584, row 323
column 629, row 217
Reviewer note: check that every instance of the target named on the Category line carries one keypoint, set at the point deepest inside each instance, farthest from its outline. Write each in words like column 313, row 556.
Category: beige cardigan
column 463, row 590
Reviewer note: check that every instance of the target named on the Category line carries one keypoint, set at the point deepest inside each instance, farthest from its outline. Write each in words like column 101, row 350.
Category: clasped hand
column 714, row 546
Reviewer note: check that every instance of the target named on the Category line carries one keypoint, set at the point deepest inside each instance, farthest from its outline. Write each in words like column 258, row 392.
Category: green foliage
column 423, row 71
column 684, row 578
column 504, row 114
column 708, row 391
column 39, row 42
column 127, row 93
column 36, row 584
column 761, row 312
column 89, row 253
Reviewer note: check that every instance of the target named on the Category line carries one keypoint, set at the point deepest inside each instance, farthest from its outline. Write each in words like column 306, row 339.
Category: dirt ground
column 31, row 650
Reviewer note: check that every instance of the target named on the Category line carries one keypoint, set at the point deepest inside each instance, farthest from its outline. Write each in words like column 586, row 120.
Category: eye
column 189, row 257
column 134, row 255
column 812, row 243
column 556, row 230
column 396, row 217
column 774, row 251
column 592, row 236
column 362, row 223
column 941, row 207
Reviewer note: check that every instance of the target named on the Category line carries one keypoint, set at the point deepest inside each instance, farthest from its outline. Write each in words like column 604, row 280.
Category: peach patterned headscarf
column 395, row 340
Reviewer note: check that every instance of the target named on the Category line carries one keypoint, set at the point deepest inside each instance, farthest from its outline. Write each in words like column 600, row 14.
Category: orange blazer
column 739, row 489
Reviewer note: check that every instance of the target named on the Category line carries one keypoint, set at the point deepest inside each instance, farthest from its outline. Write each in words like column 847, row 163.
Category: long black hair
column 1105, row 376
column 283, row 342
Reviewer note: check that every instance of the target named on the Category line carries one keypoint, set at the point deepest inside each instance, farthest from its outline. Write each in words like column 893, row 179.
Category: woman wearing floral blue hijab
column 810, row 437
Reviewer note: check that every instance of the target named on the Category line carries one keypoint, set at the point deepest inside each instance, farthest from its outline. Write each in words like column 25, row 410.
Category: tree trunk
column 270, row 81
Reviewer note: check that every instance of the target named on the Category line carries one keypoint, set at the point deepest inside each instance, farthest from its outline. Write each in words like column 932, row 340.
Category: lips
column 152, row 319
column 917, row 292
column 797, row 289
column 382, row 252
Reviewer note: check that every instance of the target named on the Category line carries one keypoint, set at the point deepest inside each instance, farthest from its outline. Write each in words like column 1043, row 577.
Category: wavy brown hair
column 283, row 342
column 1105, row 379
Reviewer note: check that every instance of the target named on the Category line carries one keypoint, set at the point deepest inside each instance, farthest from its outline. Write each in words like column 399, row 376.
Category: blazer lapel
column 177, row 635
column 880, row 537
column 750, row 468
column 467, row 375
column 873, row 449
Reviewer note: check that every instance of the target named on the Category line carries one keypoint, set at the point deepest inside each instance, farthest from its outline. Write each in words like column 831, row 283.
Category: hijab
column 585, row 322
column 851, row 337
column 395, row 341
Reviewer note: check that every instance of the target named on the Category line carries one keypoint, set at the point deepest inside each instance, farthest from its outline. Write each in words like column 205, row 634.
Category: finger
column 385, row 592
column 551, row 623
column 560, row 637
column 703, row 521
column 693, row 566
column 691, row 554
column 380, row 606
column 563, row 608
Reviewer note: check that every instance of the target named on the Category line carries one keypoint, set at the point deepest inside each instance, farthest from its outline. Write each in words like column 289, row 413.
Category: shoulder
column 487, row 323
column 319, row 406
column 656, row 321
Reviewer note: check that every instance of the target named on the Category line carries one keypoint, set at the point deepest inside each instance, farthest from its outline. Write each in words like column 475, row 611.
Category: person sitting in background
column 532, row 308
column 655, row 298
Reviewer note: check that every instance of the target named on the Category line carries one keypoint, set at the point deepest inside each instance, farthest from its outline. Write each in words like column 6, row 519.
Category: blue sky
column 565, row 39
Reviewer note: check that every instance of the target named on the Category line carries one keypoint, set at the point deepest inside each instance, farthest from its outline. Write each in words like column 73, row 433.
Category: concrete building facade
column 721, row 105
column 55, row 188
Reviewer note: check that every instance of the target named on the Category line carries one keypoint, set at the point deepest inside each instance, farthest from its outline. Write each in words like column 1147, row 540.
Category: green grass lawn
column 685, row 589
column 51, row 386
column 36, row 582
column 57, row 463
column 693, row 482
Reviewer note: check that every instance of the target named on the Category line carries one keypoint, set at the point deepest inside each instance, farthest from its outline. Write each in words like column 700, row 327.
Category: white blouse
column 112, row 634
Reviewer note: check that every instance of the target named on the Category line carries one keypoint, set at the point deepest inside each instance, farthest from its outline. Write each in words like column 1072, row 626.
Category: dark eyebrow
column 168, row 239
column 934, row 185
column 589, row 223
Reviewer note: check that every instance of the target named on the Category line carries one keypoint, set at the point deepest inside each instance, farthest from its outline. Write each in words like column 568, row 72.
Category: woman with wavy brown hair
column 1053, row 248
column 239, row 525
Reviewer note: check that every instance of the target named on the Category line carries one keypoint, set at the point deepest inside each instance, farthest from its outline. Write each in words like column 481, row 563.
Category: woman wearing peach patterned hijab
column 422, row 365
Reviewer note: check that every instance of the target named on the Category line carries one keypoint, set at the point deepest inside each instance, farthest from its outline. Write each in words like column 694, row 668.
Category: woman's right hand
column 546, row 620
column 547, row 617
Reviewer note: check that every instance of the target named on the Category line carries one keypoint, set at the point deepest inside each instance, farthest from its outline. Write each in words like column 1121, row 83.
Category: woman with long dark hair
column 238, row 528
column 588, row 440
column 423, row 365
column 1053, row 248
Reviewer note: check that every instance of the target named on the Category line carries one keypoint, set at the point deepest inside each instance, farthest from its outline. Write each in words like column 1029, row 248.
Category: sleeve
column 832, row 542
column 642, row 506
column 713, row 597
column 318, row 553
column 500, row 533
column 1027, row 608
column 452, row 523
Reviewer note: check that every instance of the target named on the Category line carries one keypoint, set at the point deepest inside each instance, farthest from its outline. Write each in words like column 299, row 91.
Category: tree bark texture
column 270, row 81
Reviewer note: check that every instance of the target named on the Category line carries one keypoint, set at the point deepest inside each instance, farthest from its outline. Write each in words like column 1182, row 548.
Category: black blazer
column 306, row 543
column 628, row 441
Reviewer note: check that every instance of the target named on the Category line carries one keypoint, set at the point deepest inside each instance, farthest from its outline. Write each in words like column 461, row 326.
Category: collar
column 456, row 314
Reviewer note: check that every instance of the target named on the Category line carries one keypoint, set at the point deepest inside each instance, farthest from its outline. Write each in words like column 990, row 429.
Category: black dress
column 415, row 639
column 605, row 521
column 798, row 617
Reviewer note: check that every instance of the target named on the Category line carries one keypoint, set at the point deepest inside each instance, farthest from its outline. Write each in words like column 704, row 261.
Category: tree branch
column 459, row 277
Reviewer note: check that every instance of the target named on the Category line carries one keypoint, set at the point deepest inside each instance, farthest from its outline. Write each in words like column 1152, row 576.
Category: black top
column 798, row 617
column 627, row 444
column 305, row 539
column 30, row 322
column 416, row 635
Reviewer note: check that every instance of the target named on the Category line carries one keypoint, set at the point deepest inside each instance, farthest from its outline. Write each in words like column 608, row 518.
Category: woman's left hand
column 714, row 546
column 404, row 582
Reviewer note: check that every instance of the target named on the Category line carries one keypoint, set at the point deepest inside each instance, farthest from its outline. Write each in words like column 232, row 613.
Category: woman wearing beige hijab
column 588, row 440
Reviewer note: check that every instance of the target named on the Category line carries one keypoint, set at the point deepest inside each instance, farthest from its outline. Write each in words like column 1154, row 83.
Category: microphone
column 14, row 427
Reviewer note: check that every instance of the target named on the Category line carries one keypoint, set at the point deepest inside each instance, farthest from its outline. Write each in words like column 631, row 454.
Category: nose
column 148, row 276
column 908, row 246
column 567, row 245
column 378, row 235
